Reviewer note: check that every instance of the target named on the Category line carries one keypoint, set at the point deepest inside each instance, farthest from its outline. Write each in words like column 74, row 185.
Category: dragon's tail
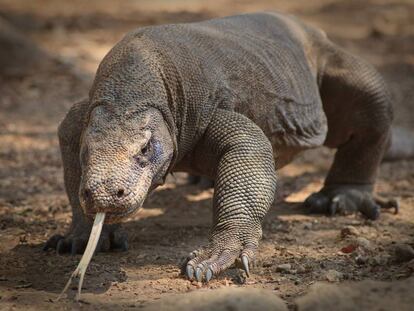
column 402, row 145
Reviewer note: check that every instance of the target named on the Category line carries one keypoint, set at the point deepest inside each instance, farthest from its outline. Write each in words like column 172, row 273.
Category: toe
column 189, row 271
column 52, row 242
column 63, row 246
column 104, row 244
column 119, row 241
column 205, row 265
column 341, row 205
column 370, row 210
column 216, row 264
column 317, row 203
column 194, row 259
column 248, row 256
column 209, row 275
column 199, row 274
column 245, row 263
column 78, row 246
column 388, row 204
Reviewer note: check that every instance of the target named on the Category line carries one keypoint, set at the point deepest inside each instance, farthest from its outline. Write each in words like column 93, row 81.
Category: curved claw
column 332, row 208
column 245, row 262
column 395, row 205
column 124, row 246
column 388, row 204
column 371, row 212
column 199, row 274
column 316, row 203
column 190, row 272
column 209, row 275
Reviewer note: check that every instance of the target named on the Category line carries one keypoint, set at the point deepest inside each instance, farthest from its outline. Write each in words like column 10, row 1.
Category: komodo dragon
column 233, row 99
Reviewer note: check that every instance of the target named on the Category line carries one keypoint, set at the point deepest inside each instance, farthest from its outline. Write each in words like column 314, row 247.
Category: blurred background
column 49, row 52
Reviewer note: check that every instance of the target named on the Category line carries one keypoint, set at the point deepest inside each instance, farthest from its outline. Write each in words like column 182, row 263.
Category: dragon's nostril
column 87, row 194
column 120, row 193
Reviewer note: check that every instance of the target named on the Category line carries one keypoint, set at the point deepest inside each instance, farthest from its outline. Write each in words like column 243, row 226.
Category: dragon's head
column 124, row 155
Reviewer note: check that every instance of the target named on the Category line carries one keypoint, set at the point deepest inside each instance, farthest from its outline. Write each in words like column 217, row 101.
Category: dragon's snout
column 91, row 196
column 113, row 198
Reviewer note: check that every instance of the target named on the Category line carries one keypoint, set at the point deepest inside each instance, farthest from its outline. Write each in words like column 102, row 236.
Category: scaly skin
column 231, row 99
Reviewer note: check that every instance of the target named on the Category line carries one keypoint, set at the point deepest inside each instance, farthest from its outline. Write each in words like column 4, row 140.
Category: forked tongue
column 87, row 255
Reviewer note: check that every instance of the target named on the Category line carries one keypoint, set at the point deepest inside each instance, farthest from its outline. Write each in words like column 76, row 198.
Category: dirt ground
column 74, row 36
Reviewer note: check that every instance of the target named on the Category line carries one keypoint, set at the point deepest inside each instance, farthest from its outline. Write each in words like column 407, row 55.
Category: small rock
column 307, row 226
column 348, row 249
column 333, row 276
column 363, row 243
column 349, row 231
column 301, row 269
column 223, row 299
column 284, row 268
column 365, row 295
column 25, row 285
column 267, row 264
column 403, row 252
column 360, row 260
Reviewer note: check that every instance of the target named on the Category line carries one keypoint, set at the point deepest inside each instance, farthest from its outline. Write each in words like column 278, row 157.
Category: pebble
column 349, row 231
column 376, row 261
column 267, row 264
column 363, row 243
column 333, row 276
column 360, row 260
column 403, row 252
column 301, row 269
column 286, row 267
column 307, row 226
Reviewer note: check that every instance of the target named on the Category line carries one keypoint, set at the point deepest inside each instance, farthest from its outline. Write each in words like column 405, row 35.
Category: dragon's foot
column 219, row 255
column 347, row 200
column 112, row 238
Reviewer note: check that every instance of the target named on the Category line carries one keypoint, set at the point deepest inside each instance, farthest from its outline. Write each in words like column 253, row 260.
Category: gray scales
column 233, row 99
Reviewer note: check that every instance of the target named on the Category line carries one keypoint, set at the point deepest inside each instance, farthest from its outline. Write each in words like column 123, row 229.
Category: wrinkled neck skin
column 129, row 143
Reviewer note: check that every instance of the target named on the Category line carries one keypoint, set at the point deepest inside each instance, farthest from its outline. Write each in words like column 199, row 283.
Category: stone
column 403, row 252
column 307, row 226
column 223, row 299
column 333, row 276
column 361, row 260
column 349, row 231
column 301, row 269
column 286, row 267
column 364, row 244
column 365, row 295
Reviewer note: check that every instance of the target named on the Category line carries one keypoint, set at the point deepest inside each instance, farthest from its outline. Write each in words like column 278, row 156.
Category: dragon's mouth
column 115, row 214
column 115, row 217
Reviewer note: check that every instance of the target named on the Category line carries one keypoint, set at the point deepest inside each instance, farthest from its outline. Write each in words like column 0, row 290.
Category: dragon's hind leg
column 357, row 106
